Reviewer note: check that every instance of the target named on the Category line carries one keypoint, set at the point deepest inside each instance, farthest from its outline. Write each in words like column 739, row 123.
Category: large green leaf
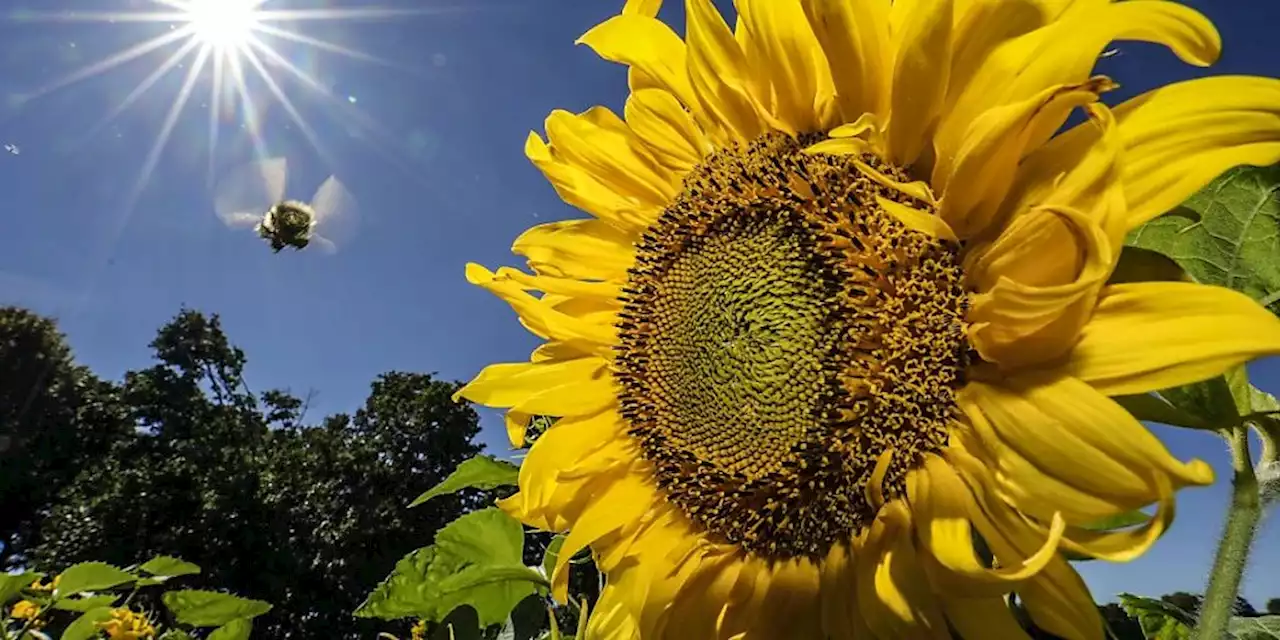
column 483, row 553
column 169, row 567
column 461, row 624
column 86, row 626
column 234, row 630
column 12, row 584
column 85, row 604
column 200, row 608
column 1261, row 628
column 406, row 593
column 1227, row 234
column 481, row 472
column 90, row 576
column 528, row 618
column 1159, row 619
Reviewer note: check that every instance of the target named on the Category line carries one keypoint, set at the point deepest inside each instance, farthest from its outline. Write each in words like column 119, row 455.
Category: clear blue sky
column 432, row 150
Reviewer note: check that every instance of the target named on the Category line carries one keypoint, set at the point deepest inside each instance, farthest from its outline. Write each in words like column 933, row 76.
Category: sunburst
column 226, row 42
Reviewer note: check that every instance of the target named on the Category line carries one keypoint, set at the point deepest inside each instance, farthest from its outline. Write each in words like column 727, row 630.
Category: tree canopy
column 181, row 458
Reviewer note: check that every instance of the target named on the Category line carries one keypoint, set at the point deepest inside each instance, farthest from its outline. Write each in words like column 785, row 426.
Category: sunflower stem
column 1233, row 551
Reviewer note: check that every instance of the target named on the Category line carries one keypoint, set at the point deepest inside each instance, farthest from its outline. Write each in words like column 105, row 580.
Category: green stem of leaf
column 1233, row 551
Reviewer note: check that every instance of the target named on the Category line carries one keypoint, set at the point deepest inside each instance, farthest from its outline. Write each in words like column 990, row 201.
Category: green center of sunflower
column 780, row 333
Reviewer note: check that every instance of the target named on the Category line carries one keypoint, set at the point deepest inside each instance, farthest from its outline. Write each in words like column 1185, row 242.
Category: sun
column 224, row 25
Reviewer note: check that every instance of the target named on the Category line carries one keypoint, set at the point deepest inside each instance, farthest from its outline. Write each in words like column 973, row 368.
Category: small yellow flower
column 47, row 588
column 419, row 630
column 24, row 610
column 127, row 625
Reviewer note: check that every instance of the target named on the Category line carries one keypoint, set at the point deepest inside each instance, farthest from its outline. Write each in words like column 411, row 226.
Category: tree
column 1273, row 606
column 307, row 518
column 55, row 417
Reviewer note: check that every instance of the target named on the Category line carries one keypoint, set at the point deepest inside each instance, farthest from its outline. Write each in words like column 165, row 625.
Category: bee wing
column 325, row 245
column 242, row 220
column 335, row 210
column 255, row 186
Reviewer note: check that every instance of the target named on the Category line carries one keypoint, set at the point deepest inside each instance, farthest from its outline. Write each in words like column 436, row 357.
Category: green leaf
column 482, row 472
column 1260, row 628
column 200, row 608
column 461, row 624
column 12, row 584
column 1144, row 265
column 234, row 630
column 85, row 604
column 1118, row 521
column 1151, row 407
column 1227, row 234
column 551, row 555
column 406, row 592
column 168, row 567
column 1159, row 619
column 482, row 543
column 528, row 618
column 175, row 634
column 86, row 626
column 476, row 576
column 1210, row 402
column 90, row 576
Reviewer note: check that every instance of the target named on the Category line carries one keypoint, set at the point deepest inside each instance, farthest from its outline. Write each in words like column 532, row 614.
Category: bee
column 12, row 149
column 244, row 194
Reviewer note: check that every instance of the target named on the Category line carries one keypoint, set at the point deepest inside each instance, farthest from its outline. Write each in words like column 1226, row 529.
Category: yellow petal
column 1038, row 284
column 1154, row 335
column 1064, row 427
column 1056, row 598
column 988, row 618
column 718, row 72
column 1086, row 176
column 666, row 129
column 579, row 188
column 516, row 423
column 925, row 222
column 545, row 499
column 944, row 508
column 791, row 60
column 601, row 144
column 623, row 504
column 646, row 8
column 604, row 293
column 543, row 320
column 1127, row 544
column 839, row 147
column 1065, row 52
column 513, row 385
column 1179, row 137
column 921, row 29
column 696, row 609
column 985, row 165
column 586, row 249
column 892, row 590
column 645, row 43
column 792, row 602
column 854, row 34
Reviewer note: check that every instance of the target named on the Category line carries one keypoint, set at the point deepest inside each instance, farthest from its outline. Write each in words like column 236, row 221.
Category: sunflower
column 845, row 312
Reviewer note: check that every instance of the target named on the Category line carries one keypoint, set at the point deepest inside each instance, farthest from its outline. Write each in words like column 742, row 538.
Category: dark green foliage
column 55, row 419
column 308, row 519
column 1273, row 606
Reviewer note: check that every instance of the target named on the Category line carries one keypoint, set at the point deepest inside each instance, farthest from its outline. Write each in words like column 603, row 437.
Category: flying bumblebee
column 244, row 194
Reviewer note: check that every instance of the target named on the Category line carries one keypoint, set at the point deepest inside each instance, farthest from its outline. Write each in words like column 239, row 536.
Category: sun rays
column 229, row 43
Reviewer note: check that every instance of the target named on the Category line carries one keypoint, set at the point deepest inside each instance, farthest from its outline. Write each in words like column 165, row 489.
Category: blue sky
column 429, row 140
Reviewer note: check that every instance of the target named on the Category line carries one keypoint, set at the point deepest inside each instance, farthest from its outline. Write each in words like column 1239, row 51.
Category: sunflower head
column 842, row 314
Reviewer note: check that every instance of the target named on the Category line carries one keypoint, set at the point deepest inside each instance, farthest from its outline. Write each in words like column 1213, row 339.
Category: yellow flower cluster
column 127, row 625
